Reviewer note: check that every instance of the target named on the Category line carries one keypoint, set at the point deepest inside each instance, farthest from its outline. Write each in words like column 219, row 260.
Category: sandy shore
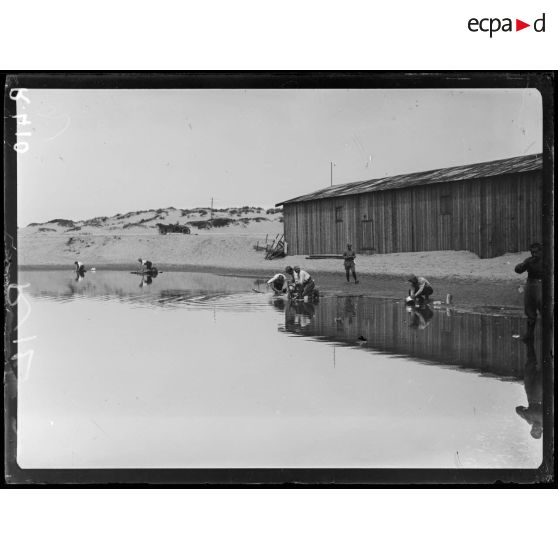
column 229, row 251
column 473, row 282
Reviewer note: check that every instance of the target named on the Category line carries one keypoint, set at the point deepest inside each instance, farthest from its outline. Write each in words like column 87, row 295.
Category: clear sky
column 101, row 152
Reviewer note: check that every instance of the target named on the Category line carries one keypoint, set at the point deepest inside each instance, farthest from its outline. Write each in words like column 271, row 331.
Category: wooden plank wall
column 489, row 216
column 480, row 342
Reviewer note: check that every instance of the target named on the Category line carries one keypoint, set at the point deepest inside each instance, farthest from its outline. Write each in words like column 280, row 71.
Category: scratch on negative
column 63, row 129
column 93, row 421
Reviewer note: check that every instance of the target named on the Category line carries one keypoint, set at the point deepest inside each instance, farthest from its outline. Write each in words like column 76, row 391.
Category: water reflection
column 168, row 290
column 421, row 316
column 235, row 392
column 482, row 342
column 532, row 379
column 298, row 315
column 147, row 279
column 279, row 302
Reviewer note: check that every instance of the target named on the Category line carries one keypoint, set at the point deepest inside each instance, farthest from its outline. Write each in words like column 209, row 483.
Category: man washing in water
column 280, row 282
column 80, row 271
column 420, row 290
column 145, row 265
column 304, row 283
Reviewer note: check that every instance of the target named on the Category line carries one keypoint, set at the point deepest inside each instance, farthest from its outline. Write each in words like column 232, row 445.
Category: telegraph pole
column 211, row 209
column 331, row 172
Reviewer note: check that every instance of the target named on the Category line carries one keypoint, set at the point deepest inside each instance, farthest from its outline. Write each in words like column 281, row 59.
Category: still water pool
column 198, row 370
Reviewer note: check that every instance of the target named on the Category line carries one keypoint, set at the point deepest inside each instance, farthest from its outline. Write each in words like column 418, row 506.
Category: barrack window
column 446, row 205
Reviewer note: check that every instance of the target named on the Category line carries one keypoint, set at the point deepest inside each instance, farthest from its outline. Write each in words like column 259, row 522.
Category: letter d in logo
column 538, row 26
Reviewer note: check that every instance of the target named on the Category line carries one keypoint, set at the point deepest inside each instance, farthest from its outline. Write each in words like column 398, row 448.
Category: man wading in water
column 533, row 289
column 349, row 256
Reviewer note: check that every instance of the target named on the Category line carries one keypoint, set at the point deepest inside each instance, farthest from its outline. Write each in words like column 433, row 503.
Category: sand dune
column 239, row 220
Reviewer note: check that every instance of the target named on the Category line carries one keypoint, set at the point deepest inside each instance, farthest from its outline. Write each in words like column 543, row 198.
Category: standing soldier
column 533, row 289
column 349, row 256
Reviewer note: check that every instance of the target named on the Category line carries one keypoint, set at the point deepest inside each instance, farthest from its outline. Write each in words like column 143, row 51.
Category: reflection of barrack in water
column 480, row 342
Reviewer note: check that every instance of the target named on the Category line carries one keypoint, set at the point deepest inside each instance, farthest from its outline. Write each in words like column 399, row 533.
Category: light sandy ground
column 236, row 251
column 121, row 239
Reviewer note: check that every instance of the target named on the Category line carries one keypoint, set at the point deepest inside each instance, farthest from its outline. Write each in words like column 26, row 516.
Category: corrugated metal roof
column 466, row 172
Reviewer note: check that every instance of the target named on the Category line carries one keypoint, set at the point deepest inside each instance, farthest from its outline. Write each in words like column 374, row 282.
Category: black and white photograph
column 235, row 281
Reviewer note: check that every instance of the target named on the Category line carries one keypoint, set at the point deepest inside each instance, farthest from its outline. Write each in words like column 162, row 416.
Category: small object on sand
column 449, row 298
column 338, row 319
column 276, row 249
column 516, row 336
column 437, row 302
column 361, row 338
column 256, row 291
column 520, row 289
column 92, row 269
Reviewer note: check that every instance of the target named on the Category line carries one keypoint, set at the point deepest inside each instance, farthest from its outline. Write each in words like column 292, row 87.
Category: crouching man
column 145, row 265
column 280, row 282
column 420, row 290
column 304, row 283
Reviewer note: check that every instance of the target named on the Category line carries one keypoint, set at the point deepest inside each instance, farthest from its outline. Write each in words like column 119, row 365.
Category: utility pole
column 331, row 172
column 211, row 209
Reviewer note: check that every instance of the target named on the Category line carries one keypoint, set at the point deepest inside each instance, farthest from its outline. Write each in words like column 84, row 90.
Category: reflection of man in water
column 146, row 280
column 278, row 303
column 298, row 315
column 533, row 414
column 421, row 316
column 350, row 311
